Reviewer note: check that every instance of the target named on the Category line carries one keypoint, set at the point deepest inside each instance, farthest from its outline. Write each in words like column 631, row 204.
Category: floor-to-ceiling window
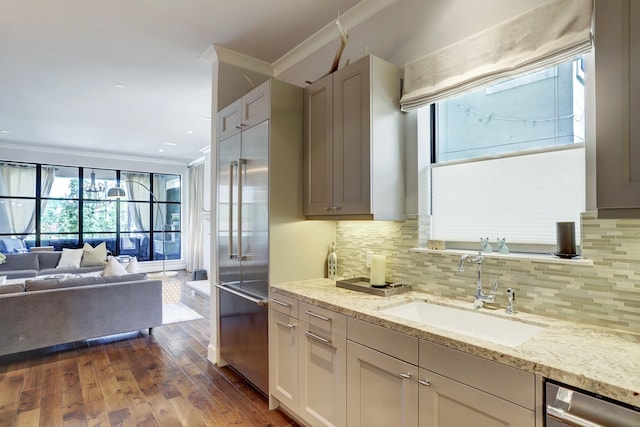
column 65, row 207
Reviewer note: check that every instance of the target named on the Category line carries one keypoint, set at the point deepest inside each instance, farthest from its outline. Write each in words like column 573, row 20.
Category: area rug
column 177, row 312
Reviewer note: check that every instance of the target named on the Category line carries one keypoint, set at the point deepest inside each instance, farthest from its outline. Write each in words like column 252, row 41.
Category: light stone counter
column 600, row 360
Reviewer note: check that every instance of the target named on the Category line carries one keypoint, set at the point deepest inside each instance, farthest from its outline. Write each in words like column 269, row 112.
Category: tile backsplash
column 605, row 293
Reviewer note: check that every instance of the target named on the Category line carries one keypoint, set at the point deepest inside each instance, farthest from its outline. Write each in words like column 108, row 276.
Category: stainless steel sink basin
column 475, row 324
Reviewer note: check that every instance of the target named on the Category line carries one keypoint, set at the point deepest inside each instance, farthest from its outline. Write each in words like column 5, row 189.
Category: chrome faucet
column 480, row 296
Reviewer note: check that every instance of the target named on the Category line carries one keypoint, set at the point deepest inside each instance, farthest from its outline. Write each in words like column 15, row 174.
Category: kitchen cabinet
column 283, row 358
column 244, row 113
column 382, row 388
column 396, row 379
column 617, row 66
column 323, row 367
column 458, row 389
column 307, row 361
column 353, row 143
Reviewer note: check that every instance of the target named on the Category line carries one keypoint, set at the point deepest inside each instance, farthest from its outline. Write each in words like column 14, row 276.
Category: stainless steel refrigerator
column 243, row 250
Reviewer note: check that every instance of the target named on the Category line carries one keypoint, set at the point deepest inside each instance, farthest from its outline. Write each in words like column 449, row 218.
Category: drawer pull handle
column 424, row 382
column 291, row 325
column 317, row 316
column 284, row 304
column 405, row 375
column 317, row 337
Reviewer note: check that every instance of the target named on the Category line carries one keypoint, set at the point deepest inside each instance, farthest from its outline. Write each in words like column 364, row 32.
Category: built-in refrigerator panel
column 243, row 207
column 254, row 196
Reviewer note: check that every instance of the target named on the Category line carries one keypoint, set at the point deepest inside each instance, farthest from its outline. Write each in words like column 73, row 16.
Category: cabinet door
column 318, row 139
column 352, row 139
column 381, row 390
column 448, row 403
column 255, row 105
column 229, row 121
column 617, row 108
column 283, row 359
column 323, row 367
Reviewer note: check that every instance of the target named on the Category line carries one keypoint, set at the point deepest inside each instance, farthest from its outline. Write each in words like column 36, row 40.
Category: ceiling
column 125, row 76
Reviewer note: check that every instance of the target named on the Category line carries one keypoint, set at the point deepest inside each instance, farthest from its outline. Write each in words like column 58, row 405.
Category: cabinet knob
column 405, row 375
column 424, row 382
column 291, row 326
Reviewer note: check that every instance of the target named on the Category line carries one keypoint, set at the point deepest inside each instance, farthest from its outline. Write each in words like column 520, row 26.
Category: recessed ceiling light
column 205, row 118
column 120, row 86
column 173, row 144
column 4, row 131
column 189, row 132
column 161, row 150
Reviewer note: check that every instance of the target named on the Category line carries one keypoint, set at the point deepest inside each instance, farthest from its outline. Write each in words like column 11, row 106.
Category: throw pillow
column 133, row 266
column 94, row 257
column 70, row 258
column 114, row 268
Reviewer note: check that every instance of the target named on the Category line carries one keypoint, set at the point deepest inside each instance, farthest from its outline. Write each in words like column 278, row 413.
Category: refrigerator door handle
column 232, row 164
column 258, row 301
column 241, row 162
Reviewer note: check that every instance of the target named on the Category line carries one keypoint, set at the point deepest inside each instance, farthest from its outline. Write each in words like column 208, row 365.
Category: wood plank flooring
column 131, row 380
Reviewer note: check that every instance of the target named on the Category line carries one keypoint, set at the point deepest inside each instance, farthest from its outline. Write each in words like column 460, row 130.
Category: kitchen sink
column 475, row 324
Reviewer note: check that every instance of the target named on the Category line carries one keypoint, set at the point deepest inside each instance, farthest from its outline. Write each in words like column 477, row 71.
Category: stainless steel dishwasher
column 567, row 406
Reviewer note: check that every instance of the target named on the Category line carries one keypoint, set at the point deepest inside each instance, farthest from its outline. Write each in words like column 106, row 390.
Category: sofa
column 132, row 245
column 33, row 264
column 42, row 313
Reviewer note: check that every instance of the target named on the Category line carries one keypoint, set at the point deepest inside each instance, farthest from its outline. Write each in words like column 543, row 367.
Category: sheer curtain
column 136, row 192
column 18, row 180
column 195, row 228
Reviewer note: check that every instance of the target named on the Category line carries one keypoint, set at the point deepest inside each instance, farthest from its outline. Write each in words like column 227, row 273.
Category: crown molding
column 350, row 19
column 216, row 53
column 76, row 153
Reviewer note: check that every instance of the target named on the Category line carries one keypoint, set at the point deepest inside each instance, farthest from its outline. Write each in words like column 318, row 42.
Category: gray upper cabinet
column 617, row 50
column 353, row 143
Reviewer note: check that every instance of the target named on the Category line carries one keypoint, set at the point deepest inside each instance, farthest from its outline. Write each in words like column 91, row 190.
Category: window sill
column 517, row 256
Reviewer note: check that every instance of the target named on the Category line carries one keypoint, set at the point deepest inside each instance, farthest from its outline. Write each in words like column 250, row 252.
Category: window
column 508, row 159
column 64, row 207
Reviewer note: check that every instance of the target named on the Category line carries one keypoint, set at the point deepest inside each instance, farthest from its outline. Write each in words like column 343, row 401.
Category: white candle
column 377, row 270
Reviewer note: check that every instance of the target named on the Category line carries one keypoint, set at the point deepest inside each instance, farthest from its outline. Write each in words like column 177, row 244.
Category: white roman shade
column 542, row 37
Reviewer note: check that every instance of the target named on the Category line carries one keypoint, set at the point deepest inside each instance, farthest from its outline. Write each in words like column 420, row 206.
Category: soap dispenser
column 332, row 262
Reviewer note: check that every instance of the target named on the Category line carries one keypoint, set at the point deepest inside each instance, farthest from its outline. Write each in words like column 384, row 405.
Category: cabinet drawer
column 396, row 344
column 509, row 383
column 284, row 304
column 332, row 322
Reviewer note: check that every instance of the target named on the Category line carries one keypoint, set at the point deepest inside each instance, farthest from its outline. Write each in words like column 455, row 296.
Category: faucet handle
column 511, row 297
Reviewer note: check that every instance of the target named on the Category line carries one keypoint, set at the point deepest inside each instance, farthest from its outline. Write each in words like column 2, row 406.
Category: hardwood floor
column 131, row 380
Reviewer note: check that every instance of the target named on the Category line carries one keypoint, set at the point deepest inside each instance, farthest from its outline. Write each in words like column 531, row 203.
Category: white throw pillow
column 114, row 268
column 133, row 266
column 70, row 258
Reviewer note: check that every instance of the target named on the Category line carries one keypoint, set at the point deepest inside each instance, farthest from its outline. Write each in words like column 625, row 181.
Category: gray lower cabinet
column 396, row 379
column 381, row 389
column 617, row 65
column 307, row 366
column 448, row 403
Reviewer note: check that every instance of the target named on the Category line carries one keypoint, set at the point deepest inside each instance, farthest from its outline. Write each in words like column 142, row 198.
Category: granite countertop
column 600, row 360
